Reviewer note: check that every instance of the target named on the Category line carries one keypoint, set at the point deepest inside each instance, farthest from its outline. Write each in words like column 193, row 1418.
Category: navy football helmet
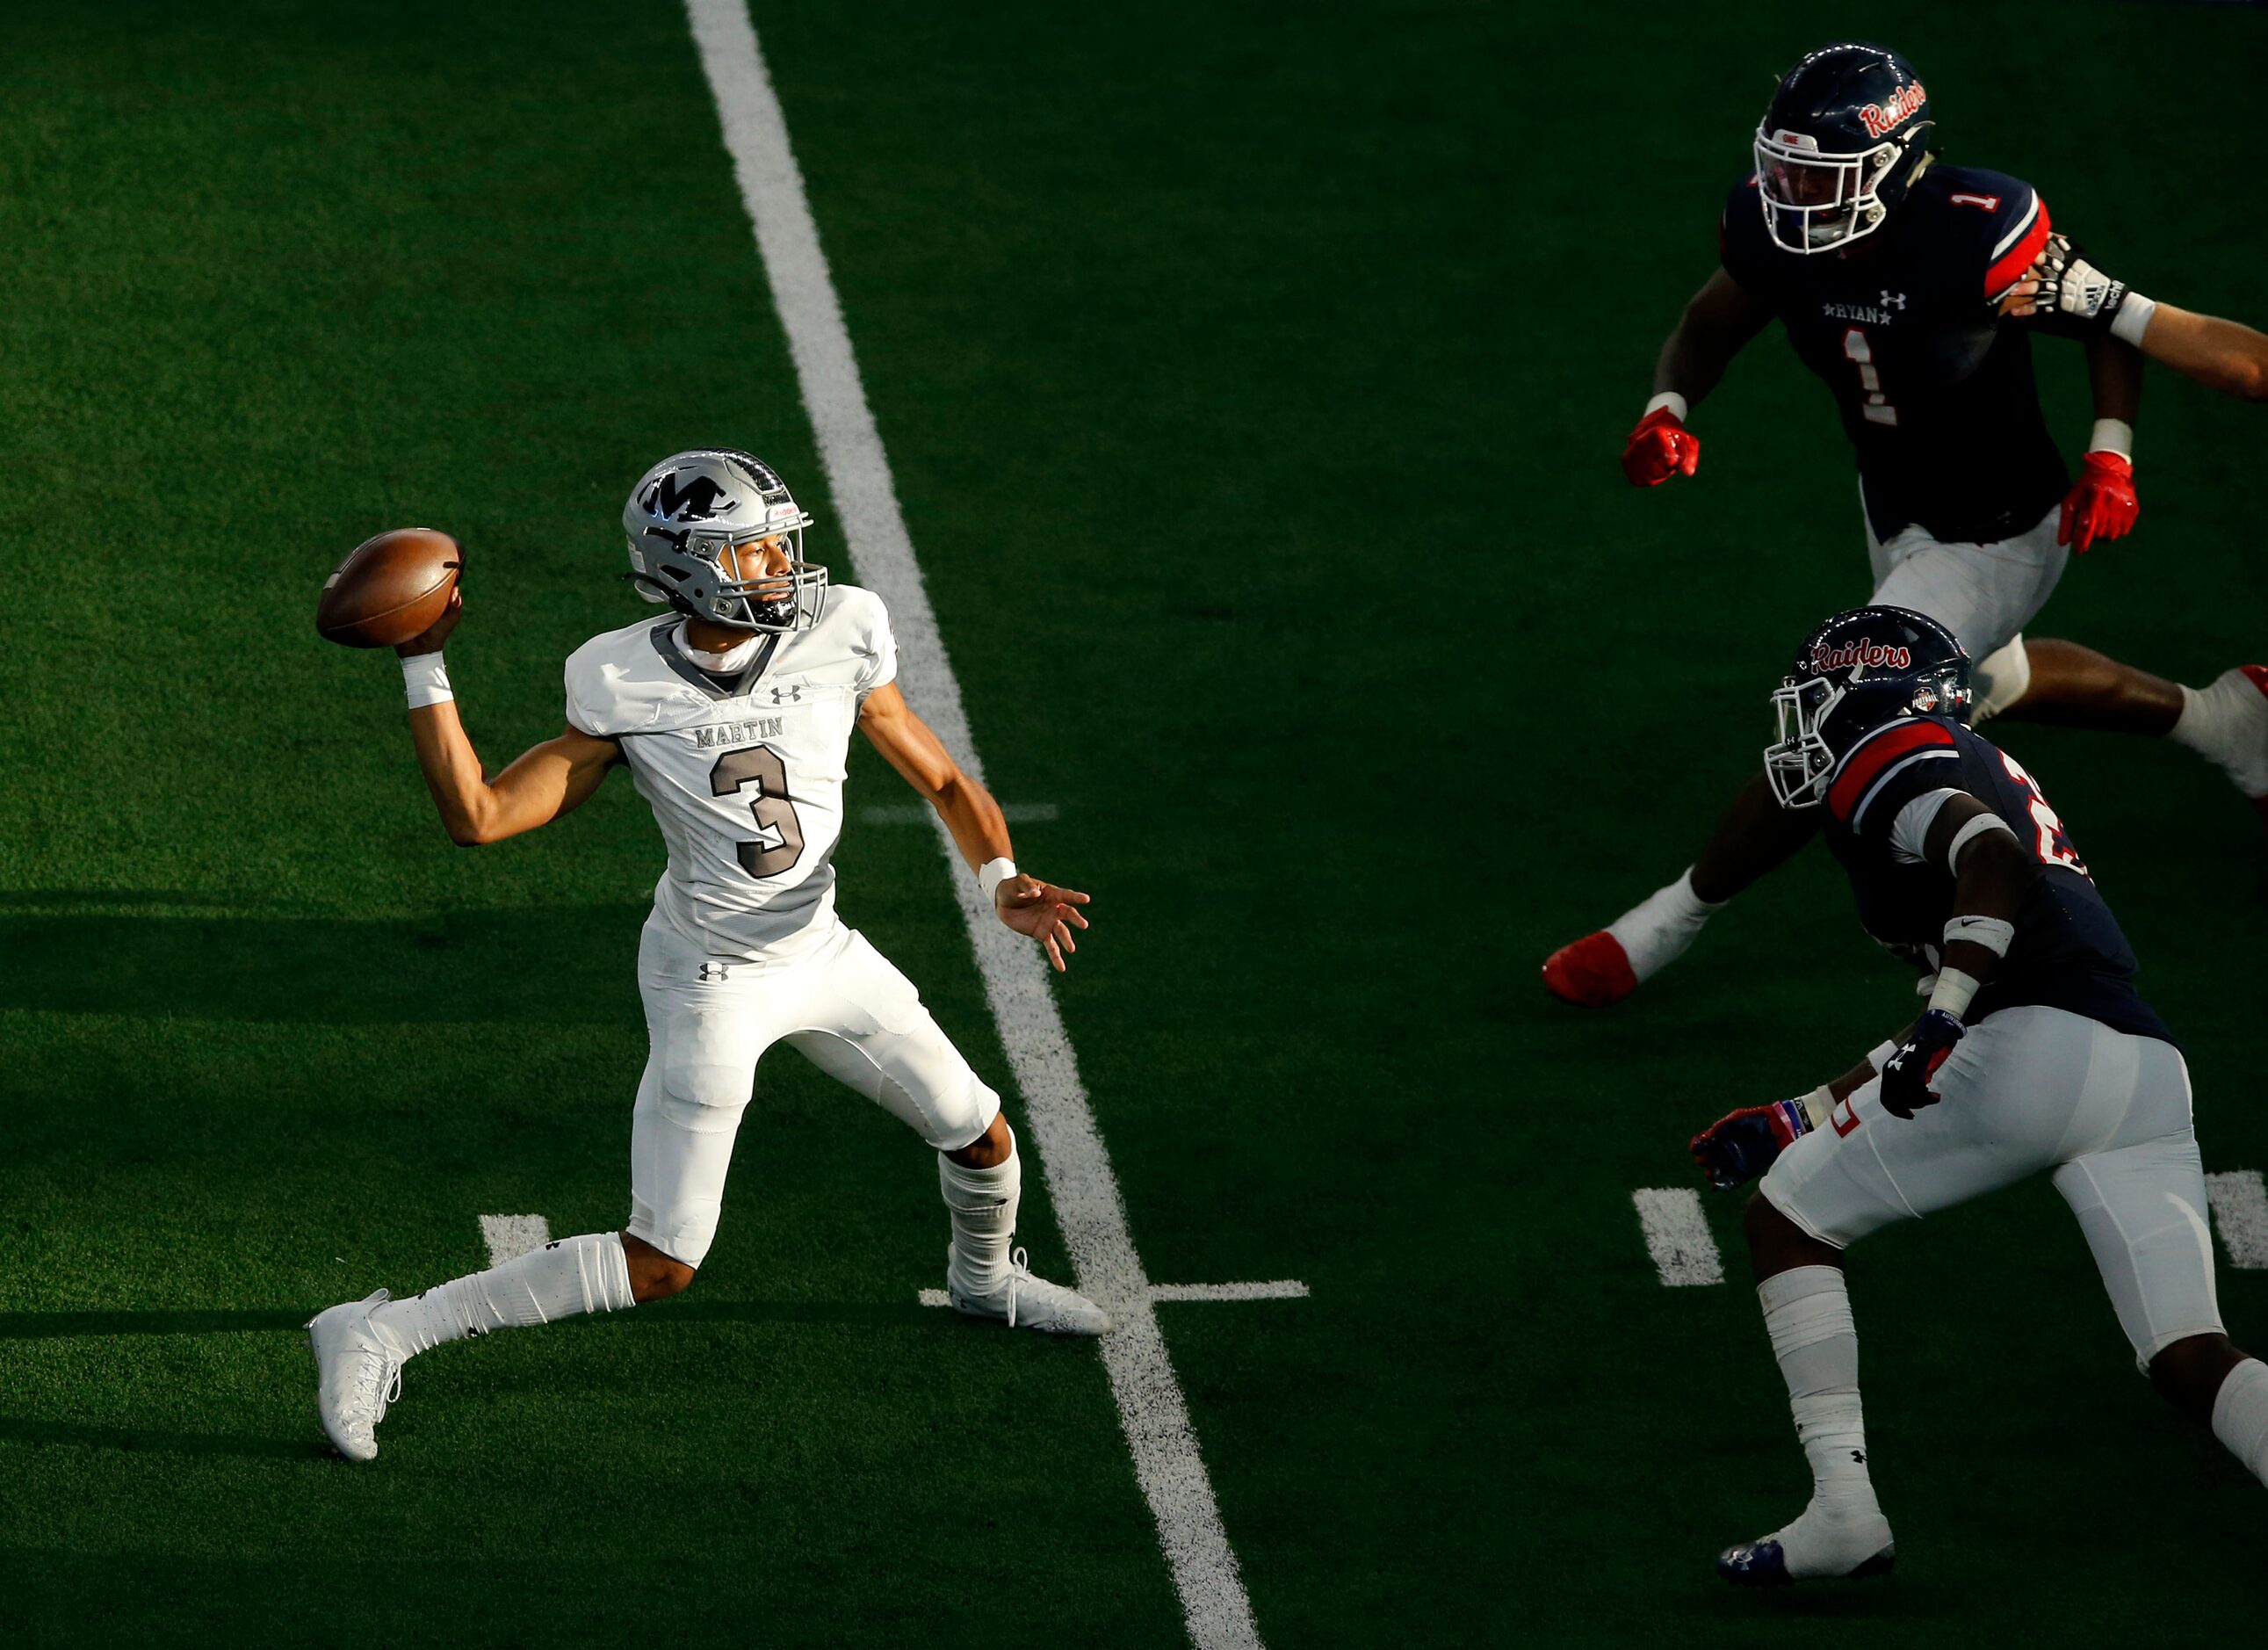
column 1853, row 673
column 1844, row 139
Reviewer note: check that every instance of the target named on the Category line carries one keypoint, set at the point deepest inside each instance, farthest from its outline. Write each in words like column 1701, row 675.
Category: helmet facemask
column 790, row 600
column 1800, row 763
column 1816, row 200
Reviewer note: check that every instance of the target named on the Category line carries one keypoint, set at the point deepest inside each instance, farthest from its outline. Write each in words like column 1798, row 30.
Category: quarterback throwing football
column 734, row 715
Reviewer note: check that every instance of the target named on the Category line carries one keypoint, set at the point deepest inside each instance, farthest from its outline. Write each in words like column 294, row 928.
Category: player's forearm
column 979, row 828
column 2222, row 354
column 1692, row 364
column 452, row 768
column 1995, row 875
column 2114, row 374
column 1849, row 1084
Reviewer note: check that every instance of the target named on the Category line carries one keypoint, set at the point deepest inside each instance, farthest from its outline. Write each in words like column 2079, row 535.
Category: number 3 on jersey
column 2054, row 846
column 1878, row 408
column 783, row 843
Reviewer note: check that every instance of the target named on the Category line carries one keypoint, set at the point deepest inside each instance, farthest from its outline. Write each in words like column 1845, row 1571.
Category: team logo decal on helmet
column 692, row 512
column 1844, row 137
column 1852, row 674
column 696, row 500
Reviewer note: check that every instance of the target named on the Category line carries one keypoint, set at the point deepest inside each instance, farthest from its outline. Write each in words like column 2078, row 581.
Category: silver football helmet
column 689, row 509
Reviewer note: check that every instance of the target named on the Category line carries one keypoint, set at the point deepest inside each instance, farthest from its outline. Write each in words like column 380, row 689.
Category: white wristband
column 1672, row 400
column 1818, row 1106
column 1954, row 991
column 2113, row 434
column 993, row 874
column 426, row 680
column 2133, row 318
column 1991, row 932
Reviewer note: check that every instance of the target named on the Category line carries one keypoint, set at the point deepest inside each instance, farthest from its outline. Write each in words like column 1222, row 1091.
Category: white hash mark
column 1276, row 1289
column 2239, row 1209
column 1081, row 1182
column 510, row 1236
column 1677, row 1236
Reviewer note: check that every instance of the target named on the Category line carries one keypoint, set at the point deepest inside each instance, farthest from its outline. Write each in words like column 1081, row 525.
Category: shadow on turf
column 75, row 951
column 40, row 1326
column 72, row 1434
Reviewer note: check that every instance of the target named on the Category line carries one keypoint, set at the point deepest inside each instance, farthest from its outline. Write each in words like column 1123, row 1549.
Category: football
column 389, row 588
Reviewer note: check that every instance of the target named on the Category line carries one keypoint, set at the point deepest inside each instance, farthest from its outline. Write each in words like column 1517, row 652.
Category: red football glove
column 2101, row 504
column 1659, row 448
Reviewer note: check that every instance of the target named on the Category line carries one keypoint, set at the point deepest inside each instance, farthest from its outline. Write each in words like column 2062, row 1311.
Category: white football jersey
column 745, row 773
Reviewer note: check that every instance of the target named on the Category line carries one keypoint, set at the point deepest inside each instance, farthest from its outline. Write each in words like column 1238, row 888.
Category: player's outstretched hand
column 1742, row 1145
column 1906, row 1073
column 1044, row 911
column 429, row 640
column 1660, row 447
column 2101, row 505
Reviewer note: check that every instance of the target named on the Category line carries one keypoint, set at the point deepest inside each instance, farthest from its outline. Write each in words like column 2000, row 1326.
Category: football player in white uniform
column 734, row 715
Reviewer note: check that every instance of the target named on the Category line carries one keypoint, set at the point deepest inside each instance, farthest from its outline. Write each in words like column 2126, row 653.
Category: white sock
column 2226, row 724
column 1807, row 1315
column 1655, row 932
column 2240, row 1415
column 574, row 1274
column 982, row 1204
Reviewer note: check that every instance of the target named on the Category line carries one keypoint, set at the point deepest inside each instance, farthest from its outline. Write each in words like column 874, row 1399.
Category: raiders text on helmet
column 1853, row 673
column 689, row 509
column 1842, row 142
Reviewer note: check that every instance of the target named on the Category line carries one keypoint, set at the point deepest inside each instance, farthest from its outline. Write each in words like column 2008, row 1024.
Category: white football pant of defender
column 734, row 715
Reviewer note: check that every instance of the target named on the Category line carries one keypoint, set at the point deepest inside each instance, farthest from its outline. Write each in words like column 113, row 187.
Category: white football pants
column 839, row 1004
column 1984, row 593
column 2027, row 1091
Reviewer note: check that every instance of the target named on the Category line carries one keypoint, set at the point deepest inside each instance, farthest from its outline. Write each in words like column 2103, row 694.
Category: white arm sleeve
column 1911, row 830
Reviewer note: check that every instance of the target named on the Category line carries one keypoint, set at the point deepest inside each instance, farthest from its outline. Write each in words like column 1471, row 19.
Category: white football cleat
column 357, row 1374
column 1025, row 1302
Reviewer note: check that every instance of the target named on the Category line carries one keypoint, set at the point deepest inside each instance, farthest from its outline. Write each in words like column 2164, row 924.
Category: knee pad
column 2002, row 677
column 707, row 1079
column 963, row 1120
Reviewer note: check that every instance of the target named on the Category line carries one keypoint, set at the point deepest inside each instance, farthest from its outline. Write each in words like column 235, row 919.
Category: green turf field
column 1253, row 378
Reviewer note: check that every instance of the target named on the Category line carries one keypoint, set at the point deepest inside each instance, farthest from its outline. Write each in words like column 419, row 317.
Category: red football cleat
column 1591, row 973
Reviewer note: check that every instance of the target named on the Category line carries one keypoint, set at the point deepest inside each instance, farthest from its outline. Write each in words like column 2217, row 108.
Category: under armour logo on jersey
column 1858, row 1455
column 1893, row 300
column 788, row 696
column 712, row 972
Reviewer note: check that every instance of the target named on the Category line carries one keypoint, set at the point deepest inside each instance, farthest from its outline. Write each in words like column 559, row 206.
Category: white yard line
column 1080, row 1180
column 2239, row 1209
column 916, row 813
column 1677, row 1236
column 510, row 1236
column 1277, row 1289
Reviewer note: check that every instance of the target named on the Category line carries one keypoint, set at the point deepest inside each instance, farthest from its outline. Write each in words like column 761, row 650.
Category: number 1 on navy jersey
column 1855, row 348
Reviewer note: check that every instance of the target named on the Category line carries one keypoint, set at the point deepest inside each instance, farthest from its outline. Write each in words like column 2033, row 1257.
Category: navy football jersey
column 2068, row 952
column 1936, row 395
